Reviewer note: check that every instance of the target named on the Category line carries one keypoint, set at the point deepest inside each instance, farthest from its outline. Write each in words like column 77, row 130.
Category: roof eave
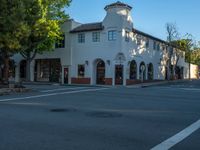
column 86, row 30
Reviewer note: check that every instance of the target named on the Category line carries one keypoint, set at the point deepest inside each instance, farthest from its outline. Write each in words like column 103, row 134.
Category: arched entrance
column 150, row 71
column 133, row 70
column 119, row 74
column 178, row 72
column 119, row 68
column 142, row 71
column 100, row 72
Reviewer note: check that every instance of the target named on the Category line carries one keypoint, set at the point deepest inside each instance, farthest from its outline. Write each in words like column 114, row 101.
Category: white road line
column 178, row 137
column 178, row 88
column 190, row 89
column 62, row 89
column 52, row 94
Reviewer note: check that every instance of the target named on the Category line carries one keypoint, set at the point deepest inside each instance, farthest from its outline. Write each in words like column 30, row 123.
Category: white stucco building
column 110, row 52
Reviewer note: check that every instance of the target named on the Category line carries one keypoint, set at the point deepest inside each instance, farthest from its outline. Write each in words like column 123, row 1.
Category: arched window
column 133, row 70
column 150, row 71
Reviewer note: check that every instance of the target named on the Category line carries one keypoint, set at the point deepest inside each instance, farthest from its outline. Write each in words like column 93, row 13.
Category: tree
column 195, row 56
column 43, row 18
column 172, row 35
column 12, row 30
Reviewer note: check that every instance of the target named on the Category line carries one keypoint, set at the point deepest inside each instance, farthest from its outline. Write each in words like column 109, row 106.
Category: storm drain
column 101, row 114
column 63, row 110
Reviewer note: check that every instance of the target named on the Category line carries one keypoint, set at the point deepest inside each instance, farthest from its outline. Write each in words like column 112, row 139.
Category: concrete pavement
column 98, row 118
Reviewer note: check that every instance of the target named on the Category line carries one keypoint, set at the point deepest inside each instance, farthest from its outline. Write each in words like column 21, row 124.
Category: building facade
column 111, row 52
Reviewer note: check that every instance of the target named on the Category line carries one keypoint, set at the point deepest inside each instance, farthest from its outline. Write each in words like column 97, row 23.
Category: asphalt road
column 98, row 118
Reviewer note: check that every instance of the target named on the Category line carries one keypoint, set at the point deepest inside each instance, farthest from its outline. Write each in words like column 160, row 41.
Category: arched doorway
column 142, row 71
column 23, row 69
column 182, row 72
column 100, row 72
column 150, row 71
column 133, row 70
column 119, row 68
column 178, row 72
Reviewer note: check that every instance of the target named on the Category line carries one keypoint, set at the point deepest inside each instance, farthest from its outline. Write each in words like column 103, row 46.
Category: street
column 54, row 117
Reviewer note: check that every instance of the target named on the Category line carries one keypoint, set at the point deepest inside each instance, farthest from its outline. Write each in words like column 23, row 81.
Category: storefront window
column 81, row 70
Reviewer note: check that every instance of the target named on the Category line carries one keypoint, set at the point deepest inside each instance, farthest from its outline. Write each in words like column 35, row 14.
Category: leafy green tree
column 43, row 18
column 187, row 45
column 12, row 30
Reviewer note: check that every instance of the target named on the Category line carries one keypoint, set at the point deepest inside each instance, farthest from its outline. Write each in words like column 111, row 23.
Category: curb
column 144, row 85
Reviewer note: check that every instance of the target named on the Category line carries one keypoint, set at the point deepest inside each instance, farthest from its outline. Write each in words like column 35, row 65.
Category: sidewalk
column 7, row 91
column 143, row 85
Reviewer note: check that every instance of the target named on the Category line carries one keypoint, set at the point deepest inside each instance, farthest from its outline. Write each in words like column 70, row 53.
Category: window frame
column 154, row 45
column 147, row 43
column 95, row 36
column 139, row 40
column 81, row 37
column 81, row 68
column 158, row 47
column 127, row 36
column 112, row 35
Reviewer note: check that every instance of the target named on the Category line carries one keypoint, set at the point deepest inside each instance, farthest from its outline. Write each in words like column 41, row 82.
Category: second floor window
column 139, row 40
column 147, row 43
column 112, row 35
column 158, row 47
column 60, row 43
column 127, row 36
column 96, row 36
column 154, row 45
column 81, row 38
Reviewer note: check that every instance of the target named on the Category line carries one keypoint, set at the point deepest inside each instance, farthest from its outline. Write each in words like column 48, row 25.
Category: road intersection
column 102, row 118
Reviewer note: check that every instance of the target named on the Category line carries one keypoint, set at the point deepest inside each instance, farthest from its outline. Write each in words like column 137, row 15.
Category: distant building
column 110, row 52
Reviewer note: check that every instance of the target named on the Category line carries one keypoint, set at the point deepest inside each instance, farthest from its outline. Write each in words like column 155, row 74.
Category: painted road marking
column 190, row 89
column 52, row 94
column 178, row 137
column 62, row 89
column 178, row 88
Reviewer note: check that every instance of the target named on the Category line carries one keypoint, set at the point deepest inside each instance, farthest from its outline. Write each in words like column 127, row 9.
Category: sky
column 149, row 16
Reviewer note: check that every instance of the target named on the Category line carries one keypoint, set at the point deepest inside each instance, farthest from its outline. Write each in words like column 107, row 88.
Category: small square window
column 112, row 35
column 81, row 71
column 96, row 36
column 81, row 38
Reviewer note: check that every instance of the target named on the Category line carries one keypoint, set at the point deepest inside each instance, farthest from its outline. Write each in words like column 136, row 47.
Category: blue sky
column 149, row 16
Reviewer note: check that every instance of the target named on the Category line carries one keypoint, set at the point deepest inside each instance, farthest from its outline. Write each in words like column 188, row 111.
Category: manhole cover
column 63, row 110
column 104, row 114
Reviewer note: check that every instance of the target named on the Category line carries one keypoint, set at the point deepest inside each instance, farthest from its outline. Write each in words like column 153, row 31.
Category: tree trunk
column 168, row 72
column 28, row 69
column 169, row 69
column 6, row 69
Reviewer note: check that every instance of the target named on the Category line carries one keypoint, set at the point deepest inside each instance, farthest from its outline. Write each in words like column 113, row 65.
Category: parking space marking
column 178, row 137
column 62, row 89
column 53, row 94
